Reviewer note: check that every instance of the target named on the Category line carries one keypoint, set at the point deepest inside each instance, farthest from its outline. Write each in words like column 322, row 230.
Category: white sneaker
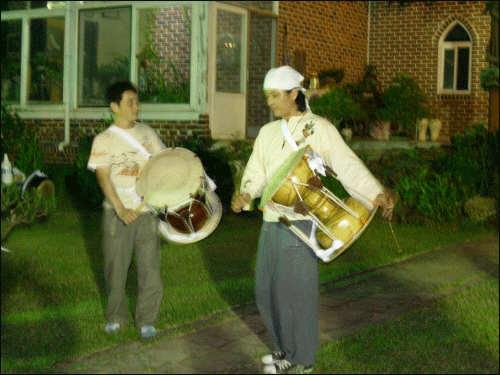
column 148, row 332
column 285, row 367
column 271, row 359
column 112, row 328
column 279, row 367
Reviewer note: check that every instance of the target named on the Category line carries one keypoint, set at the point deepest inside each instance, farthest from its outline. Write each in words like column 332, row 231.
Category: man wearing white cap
column 286, row 279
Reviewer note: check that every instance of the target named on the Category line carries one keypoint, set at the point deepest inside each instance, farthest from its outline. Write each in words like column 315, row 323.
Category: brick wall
column 51, row 132
column 259, row 62
column 171, row 38
column 406, row 39
column 332, row 34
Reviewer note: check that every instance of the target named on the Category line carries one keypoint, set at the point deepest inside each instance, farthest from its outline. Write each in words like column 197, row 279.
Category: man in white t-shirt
column 286, row 276
column 117, row 156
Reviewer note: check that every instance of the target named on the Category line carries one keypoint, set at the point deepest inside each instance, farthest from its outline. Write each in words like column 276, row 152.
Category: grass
column 53, row 289
column 456, row 335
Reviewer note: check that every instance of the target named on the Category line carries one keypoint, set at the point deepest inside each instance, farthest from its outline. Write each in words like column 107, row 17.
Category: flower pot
column 347, row 133
column 422, row 126
column 435, row 127
column 381, row 130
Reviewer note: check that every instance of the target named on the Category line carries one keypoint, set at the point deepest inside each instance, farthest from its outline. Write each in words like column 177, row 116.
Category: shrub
column 431, row 197
column 19, row 142
column 403, row 102
column 434, row 185
column 337, row 105
column 480, row 208
column 475, row 157
column 82, row 183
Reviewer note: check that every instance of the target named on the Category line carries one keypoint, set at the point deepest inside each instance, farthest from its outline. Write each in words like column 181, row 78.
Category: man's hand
column 103, row 176
column 127, row 216
column 387, row 200
column 240, row 201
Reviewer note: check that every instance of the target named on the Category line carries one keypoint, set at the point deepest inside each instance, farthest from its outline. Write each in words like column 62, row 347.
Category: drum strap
column 126, row 136
column 115, row 129
column 288, row 135
column 314, row 160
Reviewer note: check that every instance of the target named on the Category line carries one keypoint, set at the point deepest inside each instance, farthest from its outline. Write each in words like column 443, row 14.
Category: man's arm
column 128, row 216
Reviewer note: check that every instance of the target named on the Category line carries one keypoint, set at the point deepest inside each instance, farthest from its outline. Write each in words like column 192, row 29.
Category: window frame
column 445, row 45
column 161, row 111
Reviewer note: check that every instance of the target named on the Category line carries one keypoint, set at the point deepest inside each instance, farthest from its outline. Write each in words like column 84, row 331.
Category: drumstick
column 141, row 206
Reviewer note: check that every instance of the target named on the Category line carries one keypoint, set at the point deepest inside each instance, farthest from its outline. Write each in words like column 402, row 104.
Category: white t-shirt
column 125, row 160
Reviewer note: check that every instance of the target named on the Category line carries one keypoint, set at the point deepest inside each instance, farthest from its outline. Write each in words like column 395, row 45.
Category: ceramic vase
column 422, row 126
column 435, row 127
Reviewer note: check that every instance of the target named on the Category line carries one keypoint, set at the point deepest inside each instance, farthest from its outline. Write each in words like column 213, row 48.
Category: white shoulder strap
column 288, row 135
column 130, row 139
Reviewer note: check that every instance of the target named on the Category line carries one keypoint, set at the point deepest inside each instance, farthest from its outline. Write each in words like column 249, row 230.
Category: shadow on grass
column 88, row 203
column 231, row 264
column 30, row 342
column 91, row 215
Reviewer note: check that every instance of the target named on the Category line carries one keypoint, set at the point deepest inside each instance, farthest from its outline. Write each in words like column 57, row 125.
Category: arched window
column 455, row 51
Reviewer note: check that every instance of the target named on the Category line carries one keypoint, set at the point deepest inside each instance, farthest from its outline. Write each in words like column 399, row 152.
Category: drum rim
column 290, row 163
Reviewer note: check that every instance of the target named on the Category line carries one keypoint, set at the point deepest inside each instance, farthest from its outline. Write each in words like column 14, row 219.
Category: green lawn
column 53, row 289
column 456, row 335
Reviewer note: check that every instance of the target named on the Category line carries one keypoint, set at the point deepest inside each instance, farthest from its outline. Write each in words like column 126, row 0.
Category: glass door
column 228, row 71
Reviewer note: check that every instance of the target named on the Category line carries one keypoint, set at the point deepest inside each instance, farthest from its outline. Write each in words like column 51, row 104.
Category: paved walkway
column 233, row 341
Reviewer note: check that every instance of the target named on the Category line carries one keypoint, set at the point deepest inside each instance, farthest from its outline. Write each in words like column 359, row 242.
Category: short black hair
column 116, row 90
column 300, row 100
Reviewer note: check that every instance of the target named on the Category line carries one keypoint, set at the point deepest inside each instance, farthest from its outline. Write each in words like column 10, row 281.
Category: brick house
column 212, row 57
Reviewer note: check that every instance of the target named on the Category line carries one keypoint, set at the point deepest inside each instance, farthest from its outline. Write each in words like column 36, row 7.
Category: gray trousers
column 286, row 291
column 119, row 241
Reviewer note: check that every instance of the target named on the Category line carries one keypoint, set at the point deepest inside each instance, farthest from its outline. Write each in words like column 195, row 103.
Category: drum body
column 295, row 184
column 173, row 181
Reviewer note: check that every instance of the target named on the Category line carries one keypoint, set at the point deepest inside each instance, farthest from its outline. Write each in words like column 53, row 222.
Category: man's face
column 128, row 109
column 281, row 102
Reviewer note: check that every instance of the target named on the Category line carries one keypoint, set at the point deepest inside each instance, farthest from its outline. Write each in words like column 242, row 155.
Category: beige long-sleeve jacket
column 271, row 150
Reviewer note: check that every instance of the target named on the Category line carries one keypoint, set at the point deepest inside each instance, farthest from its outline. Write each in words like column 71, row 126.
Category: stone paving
column 233, row 341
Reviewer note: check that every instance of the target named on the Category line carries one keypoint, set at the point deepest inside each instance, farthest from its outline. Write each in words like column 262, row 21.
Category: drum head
column 281, row 174
column 170, row 177
column 173, row 234
column 356, row 235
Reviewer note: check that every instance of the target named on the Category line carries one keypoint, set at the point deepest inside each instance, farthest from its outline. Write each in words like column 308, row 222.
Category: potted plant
column 337, row 105
column 403, row 103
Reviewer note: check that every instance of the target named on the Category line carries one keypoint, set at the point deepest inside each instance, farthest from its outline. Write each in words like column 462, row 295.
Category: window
column 11, row 60
column 104, row 58
column 85, row 46
column 455, row 60
column 164, row 58
column 45, row 73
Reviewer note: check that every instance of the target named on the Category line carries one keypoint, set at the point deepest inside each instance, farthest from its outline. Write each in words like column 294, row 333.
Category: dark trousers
column 119, row 242
column 286, row 290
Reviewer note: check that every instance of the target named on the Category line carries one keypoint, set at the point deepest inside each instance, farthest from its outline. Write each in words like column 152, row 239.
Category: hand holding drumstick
column 240, row 201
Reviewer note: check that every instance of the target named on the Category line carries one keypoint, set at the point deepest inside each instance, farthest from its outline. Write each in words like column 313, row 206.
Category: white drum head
column 170, row 177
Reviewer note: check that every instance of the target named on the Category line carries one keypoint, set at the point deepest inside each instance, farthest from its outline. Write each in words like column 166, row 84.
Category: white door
column 228, row 71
